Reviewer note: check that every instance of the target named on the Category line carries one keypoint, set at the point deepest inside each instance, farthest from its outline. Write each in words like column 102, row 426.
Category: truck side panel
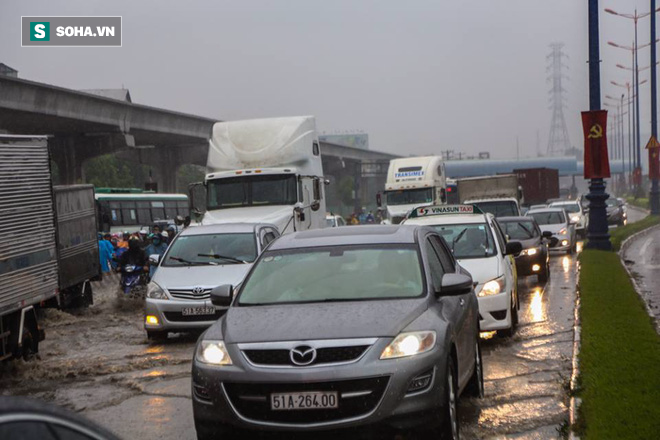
column 77, row 242
column 28, row 258
column 488, row 187
column 539, row 184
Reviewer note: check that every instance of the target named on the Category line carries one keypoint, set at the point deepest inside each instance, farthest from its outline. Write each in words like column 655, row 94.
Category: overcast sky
column 419, row 76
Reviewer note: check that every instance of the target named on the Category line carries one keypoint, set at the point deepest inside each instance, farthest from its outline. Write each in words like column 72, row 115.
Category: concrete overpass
column 83, row 125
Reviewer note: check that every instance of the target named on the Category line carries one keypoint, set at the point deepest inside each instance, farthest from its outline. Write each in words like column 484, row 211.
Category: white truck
column 413, row 182
column 263, row 171
column 499, row 195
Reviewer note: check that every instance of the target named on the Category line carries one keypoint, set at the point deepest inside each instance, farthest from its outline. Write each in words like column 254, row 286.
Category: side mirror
column 154, row 259
column 379, row 200
column 455, row 284
column 187, row 221
column 546, row 234
column 222, row 295
column 298, row 208
column 443, row 195
column 513, row 248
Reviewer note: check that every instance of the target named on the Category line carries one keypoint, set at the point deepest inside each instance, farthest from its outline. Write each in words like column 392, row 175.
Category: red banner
column 654, row 162
column 594, row 126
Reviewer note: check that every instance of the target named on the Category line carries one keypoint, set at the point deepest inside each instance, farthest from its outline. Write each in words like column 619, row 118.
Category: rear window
column 520, row 230
column 548, row 218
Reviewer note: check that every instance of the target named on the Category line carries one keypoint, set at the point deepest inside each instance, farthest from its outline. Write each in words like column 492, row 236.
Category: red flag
column 594, row 126
column 654, row 162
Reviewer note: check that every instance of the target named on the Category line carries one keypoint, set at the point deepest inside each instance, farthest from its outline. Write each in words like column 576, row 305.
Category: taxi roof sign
column 425, row 211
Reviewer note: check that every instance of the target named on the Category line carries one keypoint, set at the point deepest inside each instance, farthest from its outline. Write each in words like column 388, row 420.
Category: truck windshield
column 500, row 208
column 335, row 273
column 410, row 196
column 256, row 190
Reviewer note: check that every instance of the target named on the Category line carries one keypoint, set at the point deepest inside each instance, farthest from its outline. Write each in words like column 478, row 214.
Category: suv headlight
column 213, row 353
column 409, row 344
column 575, row 218
column 154, row 291
column 563, row 231
column 531, row 251
column 492, row 287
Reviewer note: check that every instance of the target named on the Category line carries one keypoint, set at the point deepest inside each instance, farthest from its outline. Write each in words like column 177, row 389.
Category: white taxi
column 481, row 248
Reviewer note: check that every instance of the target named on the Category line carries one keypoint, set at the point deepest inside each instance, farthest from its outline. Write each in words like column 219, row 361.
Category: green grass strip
column 619, row 358
column 618, row 235
column 641, row 202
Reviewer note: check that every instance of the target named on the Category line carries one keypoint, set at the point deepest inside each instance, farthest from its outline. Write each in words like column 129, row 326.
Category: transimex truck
column 413, row 182
column 48, row 245
column 263, row 170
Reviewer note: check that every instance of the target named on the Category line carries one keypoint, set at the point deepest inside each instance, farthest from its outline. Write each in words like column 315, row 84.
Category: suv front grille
column 327, row 355
column 179, row 317
column 190, row 294
column 358, row 397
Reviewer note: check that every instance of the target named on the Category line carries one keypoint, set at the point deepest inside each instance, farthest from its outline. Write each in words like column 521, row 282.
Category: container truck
column 538, row 184
column 263, row 171
column 413, row 182
column 499, row 195
column 48, row 244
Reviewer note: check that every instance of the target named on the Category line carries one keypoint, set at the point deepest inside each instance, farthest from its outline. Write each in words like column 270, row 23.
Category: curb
column 636, row 286
column 575, row 401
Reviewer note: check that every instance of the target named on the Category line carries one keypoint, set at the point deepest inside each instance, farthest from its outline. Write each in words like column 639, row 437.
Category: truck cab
column 413, row 182
column 264, row 170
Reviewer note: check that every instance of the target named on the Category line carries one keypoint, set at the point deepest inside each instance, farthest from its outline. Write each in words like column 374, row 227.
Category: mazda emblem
column 198, row 290
column 302, row 355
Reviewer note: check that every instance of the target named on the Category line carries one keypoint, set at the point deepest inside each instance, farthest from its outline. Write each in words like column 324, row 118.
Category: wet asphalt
column 642, row 258
column 99, row 362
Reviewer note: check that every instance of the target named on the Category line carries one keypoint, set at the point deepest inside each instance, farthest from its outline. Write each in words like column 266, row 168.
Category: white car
column 481, row 248
column 334, row 221
column 556, row 221
column 576, row 215
column 199, row 259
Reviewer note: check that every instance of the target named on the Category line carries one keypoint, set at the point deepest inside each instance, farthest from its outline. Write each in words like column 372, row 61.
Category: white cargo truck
column 263, row 171
column 499, row 195
column 413, row 182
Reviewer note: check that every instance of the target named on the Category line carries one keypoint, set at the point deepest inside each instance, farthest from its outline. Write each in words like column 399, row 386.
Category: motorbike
column 133, row 281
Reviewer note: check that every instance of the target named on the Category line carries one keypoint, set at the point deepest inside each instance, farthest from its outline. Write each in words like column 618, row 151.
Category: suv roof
column 376, row 234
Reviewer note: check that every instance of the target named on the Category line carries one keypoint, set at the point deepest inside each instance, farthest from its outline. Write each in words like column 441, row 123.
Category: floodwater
column 99, row 362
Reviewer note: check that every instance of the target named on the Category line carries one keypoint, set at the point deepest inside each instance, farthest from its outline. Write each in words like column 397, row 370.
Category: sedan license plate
column 303, row 400
column 194, row 311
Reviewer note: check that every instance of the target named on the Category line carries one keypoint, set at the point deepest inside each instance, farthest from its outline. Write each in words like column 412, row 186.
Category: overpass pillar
column 69, row 152
column 164, row 163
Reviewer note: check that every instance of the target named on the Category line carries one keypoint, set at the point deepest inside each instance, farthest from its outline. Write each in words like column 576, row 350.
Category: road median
column 619, row 235
column 619, row 384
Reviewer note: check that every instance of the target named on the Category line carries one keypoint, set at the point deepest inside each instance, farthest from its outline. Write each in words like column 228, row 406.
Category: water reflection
column 537, row 307
column 566, row 264
column 579, row 246
column 155, row 349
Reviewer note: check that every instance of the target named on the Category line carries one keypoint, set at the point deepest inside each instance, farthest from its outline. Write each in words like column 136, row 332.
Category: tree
column 188, row 174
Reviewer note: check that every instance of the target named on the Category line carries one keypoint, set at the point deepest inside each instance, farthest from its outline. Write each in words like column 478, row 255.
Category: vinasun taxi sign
column 444, row 210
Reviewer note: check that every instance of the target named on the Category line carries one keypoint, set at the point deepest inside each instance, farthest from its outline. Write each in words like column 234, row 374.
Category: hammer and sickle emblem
column 596, row 132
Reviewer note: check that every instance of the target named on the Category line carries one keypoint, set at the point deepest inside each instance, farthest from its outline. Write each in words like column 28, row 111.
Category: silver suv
column 199, row 259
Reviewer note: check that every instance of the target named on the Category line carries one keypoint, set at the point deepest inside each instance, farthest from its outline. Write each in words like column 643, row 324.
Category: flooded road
column 100, row 363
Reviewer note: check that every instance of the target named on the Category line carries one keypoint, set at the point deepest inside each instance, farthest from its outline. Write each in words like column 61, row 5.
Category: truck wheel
column 29, row 345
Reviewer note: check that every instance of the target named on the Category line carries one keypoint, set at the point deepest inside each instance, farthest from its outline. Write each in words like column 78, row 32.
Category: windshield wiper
column 222, row 257
column 526, row 230
column 459, row 236
column 181, row 260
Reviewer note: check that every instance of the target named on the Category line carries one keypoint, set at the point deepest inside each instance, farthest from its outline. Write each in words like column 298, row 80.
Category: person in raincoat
column 105, row 253
column 157, row 247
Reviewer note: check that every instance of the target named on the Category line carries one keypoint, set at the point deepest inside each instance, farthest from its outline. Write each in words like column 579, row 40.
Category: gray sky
column 419, row 76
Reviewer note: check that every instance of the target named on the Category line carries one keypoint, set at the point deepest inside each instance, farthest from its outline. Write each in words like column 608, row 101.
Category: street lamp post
column 598, row 235
column 654, row 196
